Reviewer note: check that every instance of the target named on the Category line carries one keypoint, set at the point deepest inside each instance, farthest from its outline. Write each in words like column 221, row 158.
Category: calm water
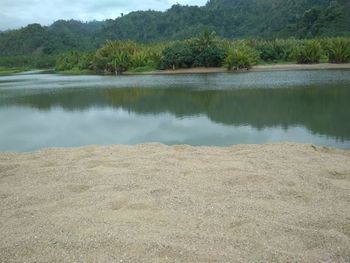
column 47, row 110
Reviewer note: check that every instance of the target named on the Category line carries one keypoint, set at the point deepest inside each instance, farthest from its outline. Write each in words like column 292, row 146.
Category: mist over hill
column 228, row 18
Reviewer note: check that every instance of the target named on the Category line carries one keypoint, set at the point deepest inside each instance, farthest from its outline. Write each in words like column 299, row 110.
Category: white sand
column 153, row 203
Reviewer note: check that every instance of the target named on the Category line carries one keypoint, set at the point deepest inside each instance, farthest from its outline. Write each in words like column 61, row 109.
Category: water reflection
column 323, row 110
column 313, row 112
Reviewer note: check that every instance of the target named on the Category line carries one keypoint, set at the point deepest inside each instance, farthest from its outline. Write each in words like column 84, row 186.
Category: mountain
column 235, row 19
column 229, row 18
column 59, row 37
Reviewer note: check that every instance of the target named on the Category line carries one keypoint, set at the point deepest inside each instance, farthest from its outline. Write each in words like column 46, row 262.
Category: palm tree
column 339, row 50
column 207, row 39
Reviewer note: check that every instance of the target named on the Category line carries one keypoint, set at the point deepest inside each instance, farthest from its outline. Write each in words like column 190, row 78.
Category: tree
column 206, row 40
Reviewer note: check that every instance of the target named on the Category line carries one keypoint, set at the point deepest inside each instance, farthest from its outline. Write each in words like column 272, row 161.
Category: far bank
column 258, row 68
column 208, row 70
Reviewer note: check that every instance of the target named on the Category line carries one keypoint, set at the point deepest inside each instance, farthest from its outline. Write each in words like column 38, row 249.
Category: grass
column 76, row 72
column 276, row 62
column 324, row 59
column 8, row 71
column 142, row 69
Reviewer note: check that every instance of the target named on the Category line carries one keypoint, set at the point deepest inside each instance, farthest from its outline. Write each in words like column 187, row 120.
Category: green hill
column 229, row 18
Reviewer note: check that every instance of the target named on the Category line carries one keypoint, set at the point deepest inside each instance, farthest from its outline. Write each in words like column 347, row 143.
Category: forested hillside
column 228, row 18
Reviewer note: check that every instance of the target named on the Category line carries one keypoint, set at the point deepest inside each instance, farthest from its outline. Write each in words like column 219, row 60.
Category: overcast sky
column 17, row 13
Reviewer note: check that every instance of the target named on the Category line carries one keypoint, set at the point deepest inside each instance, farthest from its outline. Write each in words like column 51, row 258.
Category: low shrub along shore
column 204, row 51
column 207, row 50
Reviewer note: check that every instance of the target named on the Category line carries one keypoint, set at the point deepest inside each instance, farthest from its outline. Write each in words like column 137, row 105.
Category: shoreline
column 203, row 70
column 285, row 202
column 258, row 68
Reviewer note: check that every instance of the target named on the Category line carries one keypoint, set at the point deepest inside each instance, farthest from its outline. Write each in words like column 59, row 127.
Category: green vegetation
column 74, row 61
column 338, row 50
column 207, row 50
column 309, row 52
column 242, row 57
column 274, row 31
column 178, row 55
column 118, row 57
column 277, row 50
column 28, row 61
column 266, row 19
column 6, row 71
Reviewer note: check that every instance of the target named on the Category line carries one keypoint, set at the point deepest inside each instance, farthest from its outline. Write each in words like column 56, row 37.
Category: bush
column 28, row 61
column 155, row 59
column 179, row 55
column 114, row 56
column 199, row 52
column 210, row 57
column 67, row 61
column 338, row 50
column 309, row 52
column 242, row 57
column 285, row 48
column 267, row 51
column 139, row 59
column 121, row 62
column 74, row 60
column 85, row 61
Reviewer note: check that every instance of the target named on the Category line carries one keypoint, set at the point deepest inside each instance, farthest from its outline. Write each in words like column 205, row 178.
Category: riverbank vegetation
column 6, row 71
column 207, row 50
column 33, row 61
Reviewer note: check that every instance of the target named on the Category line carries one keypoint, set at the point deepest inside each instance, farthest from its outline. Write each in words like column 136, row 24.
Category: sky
column 18, row 13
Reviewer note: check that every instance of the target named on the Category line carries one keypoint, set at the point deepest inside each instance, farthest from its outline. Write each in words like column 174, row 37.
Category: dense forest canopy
column 230, row 19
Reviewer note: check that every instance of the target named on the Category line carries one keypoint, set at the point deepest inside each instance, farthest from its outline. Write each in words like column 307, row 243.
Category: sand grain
column 154, row 203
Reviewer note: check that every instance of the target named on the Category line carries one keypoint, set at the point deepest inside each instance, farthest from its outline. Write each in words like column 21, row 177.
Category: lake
column 51, row 110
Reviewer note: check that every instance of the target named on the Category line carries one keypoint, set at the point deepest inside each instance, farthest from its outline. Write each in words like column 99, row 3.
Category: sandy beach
column 281, row 202
column 258, row 68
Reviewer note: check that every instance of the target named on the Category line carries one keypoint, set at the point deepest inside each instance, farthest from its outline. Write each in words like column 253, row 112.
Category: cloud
column 17, row 13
